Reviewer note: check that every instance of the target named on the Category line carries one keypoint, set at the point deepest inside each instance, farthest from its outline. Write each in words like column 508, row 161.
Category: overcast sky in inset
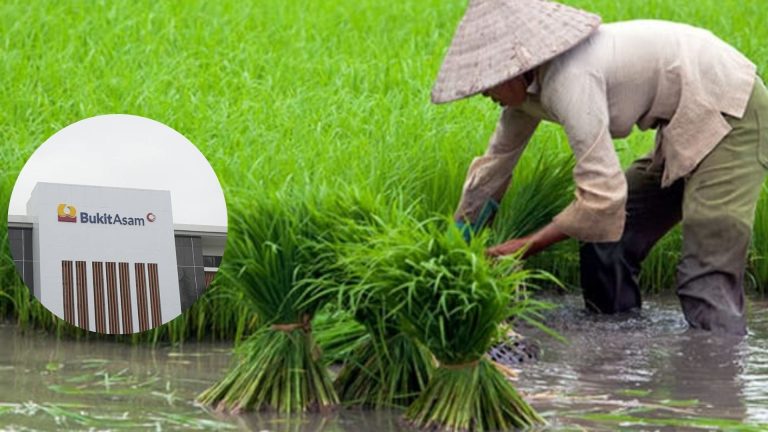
column 128, row 151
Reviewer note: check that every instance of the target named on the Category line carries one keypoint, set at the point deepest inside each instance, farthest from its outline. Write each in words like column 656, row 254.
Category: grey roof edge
column 20, row 221
column 209, row 230
column 100, row 187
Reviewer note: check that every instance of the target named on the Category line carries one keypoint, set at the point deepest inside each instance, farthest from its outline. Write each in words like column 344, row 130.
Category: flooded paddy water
column 640, row 372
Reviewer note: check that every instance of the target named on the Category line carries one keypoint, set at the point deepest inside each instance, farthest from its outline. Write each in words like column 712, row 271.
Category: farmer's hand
column 535, row 243
column 509, row 247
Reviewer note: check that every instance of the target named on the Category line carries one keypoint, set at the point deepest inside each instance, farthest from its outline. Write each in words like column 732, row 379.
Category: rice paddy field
column 294, row 101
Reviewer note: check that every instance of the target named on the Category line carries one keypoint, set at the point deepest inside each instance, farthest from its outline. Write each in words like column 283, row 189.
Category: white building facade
column 105, row 258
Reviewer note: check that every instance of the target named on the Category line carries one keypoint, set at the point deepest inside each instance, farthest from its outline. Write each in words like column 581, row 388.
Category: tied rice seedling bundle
column 337, row 333
column 279, row 367
column 387, row 368
column 452, row 299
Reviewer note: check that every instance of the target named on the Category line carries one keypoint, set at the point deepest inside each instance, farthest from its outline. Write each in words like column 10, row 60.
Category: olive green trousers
column 716, row 204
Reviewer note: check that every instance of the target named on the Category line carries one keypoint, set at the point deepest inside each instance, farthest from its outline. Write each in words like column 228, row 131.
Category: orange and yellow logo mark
column 67, row 213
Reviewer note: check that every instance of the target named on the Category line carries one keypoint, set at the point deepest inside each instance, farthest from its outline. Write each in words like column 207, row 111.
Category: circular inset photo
column 117, row 224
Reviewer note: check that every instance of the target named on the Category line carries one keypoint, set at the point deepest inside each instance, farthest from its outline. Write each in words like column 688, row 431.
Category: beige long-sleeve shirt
column 675, row 78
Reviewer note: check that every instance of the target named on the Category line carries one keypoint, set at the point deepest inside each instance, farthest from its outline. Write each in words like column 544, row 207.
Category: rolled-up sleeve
column 578, row 101
column 489, row 175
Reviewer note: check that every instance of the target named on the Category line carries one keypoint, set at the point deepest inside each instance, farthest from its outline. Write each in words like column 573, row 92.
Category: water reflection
column 755, row 375
column 345, row 420
column 650, row 360
column 705, row 368
column 646, row 364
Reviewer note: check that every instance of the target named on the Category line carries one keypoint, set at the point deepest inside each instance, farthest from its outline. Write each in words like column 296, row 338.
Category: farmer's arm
column 597, row 214
column 533, row 243
column 490, row 174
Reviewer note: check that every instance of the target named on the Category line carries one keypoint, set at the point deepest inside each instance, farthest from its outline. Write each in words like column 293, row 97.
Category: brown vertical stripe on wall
column 82, row 294
column 69, row 295
column 141, row 296
column 97, row 273
column 125, row 297
column 112, row 302
column 209, row 278
column 154, row 295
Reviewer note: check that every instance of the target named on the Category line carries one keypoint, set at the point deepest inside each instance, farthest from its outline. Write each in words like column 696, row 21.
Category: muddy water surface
column 641, row 372
column 648, row 371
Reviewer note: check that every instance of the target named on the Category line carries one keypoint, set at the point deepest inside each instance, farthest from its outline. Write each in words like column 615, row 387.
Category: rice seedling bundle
column 337, row 333
column 387, row 368
column 279, row 367
column 452, row 299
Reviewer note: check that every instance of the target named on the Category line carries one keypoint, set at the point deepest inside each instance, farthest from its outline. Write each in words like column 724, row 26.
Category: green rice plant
column 386, row 368
column 446, row 294
column 337, row 333
column 659, row 269
column 542, row 186
column 279, row 367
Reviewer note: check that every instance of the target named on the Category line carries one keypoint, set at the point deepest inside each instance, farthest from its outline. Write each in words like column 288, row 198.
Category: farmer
column 541, row 60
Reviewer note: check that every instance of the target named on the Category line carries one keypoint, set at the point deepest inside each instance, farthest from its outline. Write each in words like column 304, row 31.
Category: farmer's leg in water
column 718, row 213
column 609, row 271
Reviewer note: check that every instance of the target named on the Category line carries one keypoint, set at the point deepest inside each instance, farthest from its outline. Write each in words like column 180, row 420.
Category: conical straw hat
column 500, row 39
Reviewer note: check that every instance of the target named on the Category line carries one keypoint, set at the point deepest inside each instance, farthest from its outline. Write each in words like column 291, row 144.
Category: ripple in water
column 651, row 362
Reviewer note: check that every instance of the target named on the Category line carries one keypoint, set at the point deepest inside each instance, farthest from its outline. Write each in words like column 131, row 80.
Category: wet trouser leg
column 718, row 205
column 609, row 271
column 718, row 212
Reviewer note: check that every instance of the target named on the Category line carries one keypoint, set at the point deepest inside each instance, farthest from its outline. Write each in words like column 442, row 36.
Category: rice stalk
column 276, row 371
column 337, row 333
column 385, row 371
column 473, row 397
column 447, row 295
column 279, row 368
column 540, row 189
column 386, row 368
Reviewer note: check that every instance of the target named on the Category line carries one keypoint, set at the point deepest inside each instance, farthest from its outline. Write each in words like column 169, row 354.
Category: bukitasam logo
column 68, row 213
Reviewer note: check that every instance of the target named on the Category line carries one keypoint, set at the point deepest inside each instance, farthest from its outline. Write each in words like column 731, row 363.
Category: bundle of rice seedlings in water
column 387, row 368
column 451, row 298
column 279, row 367
column 337, row 333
